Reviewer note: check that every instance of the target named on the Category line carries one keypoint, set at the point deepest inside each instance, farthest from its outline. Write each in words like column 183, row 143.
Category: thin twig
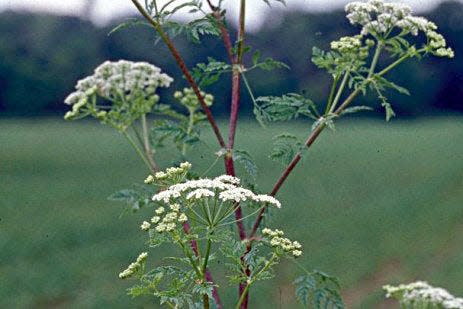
column 146, row 143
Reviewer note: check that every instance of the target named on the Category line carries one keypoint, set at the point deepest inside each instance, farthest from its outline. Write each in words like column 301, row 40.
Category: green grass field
column 372, row 203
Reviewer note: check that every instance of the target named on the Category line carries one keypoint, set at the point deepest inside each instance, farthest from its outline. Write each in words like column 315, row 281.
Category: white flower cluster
column 379, row 18
column 166, row 221
column 188, row 98
column 421, row 292
column 439, row 45
column 225, row 187
column 346, row 44
column 170, row 174
column 278, row 241
column 118, row 81
column 352, row 46
column 134, row 267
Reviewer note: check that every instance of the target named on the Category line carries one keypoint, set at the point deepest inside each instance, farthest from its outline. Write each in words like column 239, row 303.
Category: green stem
column 210, row 167
column 374, row 62
column 138, row 150
column 248, row 87
column 356, row 92
column 206, row 256
column 205, row 212
column 189, row 129
column 251, row 281
column 244, row 218
column 330, row 98
column 399, row 61
column 340, row 91
column 146, row 143
column 192, row 262
column 137, row 134
column 218, row 213
column 243, row 296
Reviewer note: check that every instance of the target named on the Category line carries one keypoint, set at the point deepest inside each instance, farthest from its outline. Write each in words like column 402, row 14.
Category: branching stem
column 316, row 132
column 340, row 91
column 183, row 68
column 250, row 281
column 137, row 149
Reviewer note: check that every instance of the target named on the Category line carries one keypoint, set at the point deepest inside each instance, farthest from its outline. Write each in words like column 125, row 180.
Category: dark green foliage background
column 373, row 203
column 41, row 57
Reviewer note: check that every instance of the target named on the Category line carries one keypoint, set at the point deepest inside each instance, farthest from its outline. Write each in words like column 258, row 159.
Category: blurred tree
column 41, row 56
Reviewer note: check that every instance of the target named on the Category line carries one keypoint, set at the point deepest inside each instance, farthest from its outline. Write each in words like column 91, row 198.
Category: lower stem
column 243, row 297
column 206, row 301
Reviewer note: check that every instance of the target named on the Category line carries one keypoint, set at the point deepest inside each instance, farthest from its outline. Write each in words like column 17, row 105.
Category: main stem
column 237, row 63
column 237, row 67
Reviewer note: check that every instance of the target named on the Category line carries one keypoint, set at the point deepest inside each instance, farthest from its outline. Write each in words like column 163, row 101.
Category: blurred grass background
column 372, row 203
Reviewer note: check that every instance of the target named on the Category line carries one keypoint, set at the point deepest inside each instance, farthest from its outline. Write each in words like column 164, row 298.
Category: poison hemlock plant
column 195, row 214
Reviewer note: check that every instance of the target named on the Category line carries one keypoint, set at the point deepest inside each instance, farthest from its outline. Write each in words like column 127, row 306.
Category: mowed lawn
column 372, row 203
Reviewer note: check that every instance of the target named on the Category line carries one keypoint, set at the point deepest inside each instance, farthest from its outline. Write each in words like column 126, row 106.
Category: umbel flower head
column 134, row 267
column 188, row 98
column 215, row 198
column 422, row 295
column 129, row 87
column 380, row 19
column 276, row 240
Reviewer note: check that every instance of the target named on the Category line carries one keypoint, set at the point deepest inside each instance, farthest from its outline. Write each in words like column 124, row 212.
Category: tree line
column 41, row 57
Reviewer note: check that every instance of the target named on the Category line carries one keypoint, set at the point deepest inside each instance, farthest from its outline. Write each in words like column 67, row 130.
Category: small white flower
column 170, row 227
column 155, row 219
column 142, row 257
column 170, row 217
column 166, row 195
column 284, row 244
column 262, row 198
column 182, row 218
column 149, row 179
column 228, row 179
column 161, row 227
column 175, row 207
column 145, row 226
column 236, row 194
column 275, row 242
column 159, row 210
column 266, row 231
column 185, row 165
column 133, row 267
column 199, row 194
column 160, row 175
